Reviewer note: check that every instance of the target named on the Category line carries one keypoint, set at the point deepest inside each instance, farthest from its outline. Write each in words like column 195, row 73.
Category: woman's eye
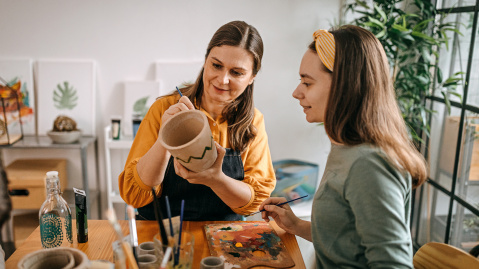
column 236, row 73
column 217, row 66
column 304, row 83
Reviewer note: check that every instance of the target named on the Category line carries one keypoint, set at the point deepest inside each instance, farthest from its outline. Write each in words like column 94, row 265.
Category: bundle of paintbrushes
column 173, row 248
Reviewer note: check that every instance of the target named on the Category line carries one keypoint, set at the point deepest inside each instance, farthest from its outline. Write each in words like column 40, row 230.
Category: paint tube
column 81, row 215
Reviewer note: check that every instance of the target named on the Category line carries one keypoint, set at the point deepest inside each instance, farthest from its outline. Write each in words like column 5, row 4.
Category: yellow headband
column 325, row 47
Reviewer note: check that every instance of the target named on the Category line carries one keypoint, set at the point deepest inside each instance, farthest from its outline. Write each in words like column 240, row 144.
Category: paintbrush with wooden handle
column 110, row 214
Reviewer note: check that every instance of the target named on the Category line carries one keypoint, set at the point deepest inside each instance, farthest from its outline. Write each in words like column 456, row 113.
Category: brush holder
column 187, row 136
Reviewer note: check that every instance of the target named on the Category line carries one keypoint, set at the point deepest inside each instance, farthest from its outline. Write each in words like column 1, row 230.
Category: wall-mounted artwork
column 66, row 87
column 17, row 74
column 138, row 97
column 174, row 73
column 247, row 244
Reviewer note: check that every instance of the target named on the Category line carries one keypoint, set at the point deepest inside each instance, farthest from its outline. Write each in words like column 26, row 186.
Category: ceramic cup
column 147, row 261
column 147, row 248
column 187, row 136
column 212, row 262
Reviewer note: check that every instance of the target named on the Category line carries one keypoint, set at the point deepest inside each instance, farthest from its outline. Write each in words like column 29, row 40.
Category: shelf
column 119, row 144
column 43, row 142
column 124, row 143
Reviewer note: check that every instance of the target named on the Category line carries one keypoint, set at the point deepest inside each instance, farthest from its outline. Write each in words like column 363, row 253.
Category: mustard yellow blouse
column 258, row 167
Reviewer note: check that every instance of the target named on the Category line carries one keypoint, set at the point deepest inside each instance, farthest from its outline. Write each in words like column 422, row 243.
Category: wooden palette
column 248, row 244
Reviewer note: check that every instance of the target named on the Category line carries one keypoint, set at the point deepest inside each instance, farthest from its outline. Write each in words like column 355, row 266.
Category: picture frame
column 66, row 87
column 138, row 97
column 18, row 73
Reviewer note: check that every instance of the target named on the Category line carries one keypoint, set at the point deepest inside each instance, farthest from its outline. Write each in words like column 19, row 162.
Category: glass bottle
column 55, row 216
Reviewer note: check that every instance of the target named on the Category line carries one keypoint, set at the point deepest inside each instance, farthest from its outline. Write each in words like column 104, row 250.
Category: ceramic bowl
column 60, row 257
column 64, row 137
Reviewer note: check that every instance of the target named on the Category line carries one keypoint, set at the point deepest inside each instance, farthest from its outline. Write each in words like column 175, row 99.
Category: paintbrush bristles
column 110, row 214
column 131, row 212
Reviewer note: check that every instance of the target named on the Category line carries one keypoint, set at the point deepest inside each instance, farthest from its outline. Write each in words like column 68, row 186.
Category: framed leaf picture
column 139, row 96
column 66, row 87
column 18, row 75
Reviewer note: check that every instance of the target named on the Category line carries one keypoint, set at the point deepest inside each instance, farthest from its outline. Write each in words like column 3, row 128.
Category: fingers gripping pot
column 187, row 136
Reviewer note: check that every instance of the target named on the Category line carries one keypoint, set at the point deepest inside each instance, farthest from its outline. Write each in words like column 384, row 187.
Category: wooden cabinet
column 27, row 180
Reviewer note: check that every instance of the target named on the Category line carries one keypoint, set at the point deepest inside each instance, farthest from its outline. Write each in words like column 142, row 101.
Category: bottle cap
column 51, row 174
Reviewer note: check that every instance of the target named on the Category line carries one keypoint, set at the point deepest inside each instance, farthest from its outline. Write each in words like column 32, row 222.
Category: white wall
column 126, row 37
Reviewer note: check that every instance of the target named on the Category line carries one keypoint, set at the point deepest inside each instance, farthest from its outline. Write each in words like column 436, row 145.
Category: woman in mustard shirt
column 361, row 210
column 242, row 176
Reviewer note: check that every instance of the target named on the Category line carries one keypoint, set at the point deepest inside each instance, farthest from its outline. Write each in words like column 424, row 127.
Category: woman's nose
column 297, row 93
column 224, row 78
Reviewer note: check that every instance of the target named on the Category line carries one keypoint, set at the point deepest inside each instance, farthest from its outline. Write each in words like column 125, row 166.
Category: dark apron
column 201, row 203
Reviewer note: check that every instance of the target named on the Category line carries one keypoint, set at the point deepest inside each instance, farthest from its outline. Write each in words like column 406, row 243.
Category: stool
column 26, row 185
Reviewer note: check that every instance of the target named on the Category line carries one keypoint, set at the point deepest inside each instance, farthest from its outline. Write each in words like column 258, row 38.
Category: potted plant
column 412, row 37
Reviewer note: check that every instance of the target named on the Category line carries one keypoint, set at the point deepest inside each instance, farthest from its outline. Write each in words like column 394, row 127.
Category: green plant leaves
column 412, row 38
column 140, row 108
column 65, row 97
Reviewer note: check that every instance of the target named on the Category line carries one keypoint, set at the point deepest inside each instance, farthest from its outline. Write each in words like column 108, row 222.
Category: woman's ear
column 251, row 80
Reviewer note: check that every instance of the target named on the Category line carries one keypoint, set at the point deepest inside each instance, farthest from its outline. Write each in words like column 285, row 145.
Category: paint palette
column 248, row 244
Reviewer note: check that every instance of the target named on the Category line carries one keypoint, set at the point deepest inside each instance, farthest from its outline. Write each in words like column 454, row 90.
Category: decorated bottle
column 55, row 216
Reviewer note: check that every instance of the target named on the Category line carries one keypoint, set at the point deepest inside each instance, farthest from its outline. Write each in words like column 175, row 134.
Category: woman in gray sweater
column 361, row 211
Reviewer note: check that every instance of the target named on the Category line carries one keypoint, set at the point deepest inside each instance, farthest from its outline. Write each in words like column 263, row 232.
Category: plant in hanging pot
column 412, row 37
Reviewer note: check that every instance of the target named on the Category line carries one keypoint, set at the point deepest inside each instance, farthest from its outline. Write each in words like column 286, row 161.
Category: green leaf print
column 65, row 97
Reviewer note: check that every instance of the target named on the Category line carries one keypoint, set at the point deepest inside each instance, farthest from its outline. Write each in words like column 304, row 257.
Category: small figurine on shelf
column 64, row 130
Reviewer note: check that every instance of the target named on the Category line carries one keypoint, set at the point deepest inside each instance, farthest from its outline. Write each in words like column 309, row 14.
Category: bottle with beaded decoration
column 55, row 216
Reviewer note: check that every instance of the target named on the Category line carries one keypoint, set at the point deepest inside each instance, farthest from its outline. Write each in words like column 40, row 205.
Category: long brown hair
column 362, row 105
column 240, row 113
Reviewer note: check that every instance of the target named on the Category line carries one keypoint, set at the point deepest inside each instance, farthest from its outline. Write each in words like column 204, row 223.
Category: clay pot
column 55, row 258
column 187, row 136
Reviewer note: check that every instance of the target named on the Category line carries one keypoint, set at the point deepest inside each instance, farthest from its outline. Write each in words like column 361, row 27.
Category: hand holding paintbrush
column 278, row 209
column 280, row 204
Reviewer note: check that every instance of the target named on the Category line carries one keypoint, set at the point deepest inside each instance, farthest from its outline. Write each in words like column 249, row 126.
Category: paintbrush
column 177, row 256
column 168, row 212
column 166, row 258
column 110, row 214
column 159, row 218
column 287, row 202
column 181, row 95
column 133, row 233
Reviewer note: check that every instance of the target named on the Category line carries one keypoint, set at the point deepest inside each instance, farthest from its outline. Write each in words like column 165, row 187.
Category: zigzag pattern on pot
column 198, row 158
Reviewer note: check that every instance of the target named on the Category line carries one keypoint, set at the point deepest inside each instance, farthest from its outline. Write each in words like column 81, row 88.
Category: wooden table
column 101, row 236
